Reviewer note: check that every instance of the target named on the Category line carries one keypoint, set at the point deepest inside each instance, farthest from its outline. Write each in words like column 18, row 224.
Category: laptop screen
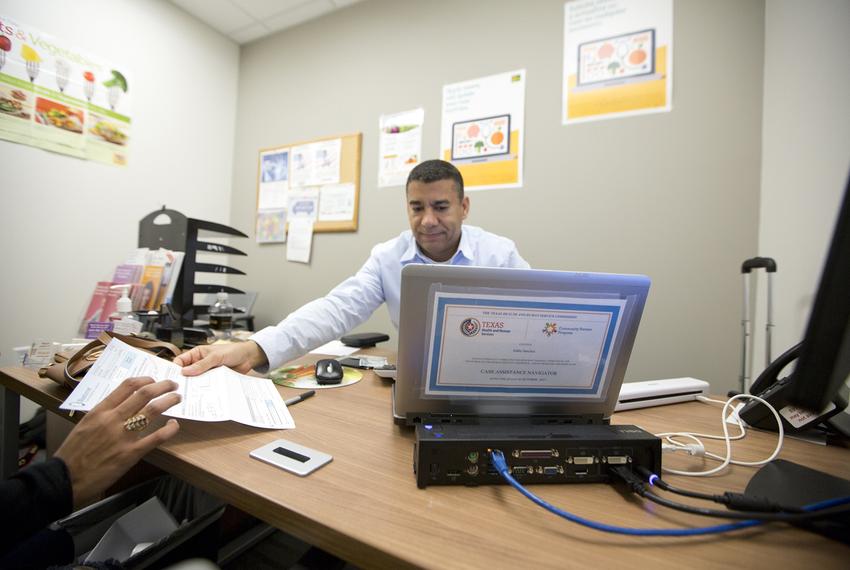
column 477, row 342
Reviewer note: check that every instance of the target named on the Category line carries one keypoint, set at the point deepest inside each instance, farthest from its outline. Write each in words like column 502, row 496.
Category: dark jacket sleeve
column 32, row 499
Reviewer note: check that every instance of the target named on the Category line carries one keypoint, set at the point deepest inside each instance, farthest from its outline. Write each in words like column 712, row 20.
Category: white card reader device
column 291, row 456
column 635, row 395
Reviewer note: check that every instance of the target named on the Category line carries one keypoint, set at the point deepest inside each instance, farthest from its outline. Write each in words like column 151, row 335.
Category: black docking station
column 455, row 454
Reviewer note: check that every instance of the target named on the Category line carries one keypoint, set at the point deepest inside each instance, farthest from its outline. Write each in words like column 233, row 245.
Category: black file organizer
column 181, row 234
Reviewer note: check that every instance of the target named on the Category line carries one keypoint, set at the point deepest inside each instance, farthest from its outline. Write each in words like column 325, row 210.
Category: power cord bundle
column 734, row 501
column 697, row 448
column 752, row 516
column 754, row 508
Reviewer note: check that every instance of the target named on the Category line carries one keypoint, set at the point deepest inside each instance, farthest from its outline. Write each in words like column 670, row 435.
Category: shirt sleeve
column 33, row 498
column 507, row 254
column 349, row 304
column 515, row 260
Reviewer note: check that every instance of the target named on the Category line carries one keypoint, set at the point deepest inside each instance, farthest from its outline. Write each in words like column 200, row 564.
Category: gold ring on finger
column 136, row 423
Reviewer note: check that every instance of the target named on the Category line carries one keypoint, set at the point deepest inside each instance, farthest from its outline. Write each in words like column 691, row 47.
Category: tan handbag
column 68, row 368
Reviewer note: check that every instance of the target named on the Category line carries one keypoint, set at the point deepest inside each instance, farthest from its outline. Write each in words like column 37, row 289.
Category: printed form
column 219, row 394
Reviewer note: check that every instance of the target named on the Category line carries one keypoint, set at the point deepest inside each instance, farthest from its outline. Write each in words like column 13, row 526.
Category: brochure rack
column 173, row 230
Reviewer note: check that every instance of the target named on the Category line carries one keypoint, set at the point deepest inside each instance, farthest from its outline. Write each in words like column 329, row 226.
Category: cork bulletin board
column 317, row 178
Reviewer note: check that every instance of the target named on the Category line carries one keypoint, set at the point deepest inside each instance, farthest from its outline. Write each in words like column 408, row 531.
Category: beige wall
column 65, row 223
column 672, row 195
column 806, row 155
column 683, row 196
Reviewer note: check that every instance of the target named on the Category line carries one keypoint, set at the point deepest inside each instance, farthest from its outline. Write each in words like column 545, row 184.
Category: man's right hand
column 241, row 357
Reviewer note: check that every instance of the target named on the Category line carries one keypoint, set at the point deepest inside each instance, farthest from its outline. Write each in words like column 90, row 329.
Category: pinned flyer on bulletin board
column 274, row 179
column 316, row 163
column 336, row 202
column 399, row 146
column 618, row 59
column 271, row 226
column 299, row 240
column 303, row 204
column 483, row 129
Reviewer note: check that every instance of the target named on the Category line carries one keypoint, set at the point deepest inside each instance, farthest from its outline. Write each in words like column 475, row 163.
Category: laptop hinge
column 470, row 419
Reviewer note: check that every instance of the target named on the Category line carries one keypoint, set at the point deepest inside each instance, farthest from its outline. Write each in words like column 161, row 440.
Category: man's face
column 436, row 214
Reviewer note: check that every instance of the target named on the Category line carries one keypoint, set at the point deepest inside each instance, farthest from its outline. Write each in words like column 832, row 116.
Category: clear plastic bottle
column 221, row 315
column 124, row 321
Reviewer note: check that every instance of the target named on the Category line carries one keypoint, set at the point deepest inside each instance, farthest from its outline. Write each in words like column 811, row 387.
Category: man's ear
column 465, row 205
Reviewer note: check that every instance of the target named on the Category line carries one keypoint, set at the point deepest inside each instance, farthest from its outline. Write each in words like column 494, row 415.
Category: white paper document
column 147, row 524
column 483, row 129
column 301, row 170
column 326, row 161
column 274, row 179
column 336, row 202
column 299, row 241
column 303, row 204
column 316, row 163
column 219, row 394
column 507, row 346
column 399, row 146
column 335, row 348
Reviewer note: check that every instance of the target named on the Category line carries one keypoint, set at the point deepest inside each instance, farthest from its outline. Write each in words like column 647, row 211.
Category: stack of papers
column 219, row 394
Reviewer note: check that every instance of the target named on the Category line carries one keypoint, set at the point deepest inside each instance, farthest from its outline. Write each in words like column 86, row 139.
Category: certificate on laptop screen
column 504, row 345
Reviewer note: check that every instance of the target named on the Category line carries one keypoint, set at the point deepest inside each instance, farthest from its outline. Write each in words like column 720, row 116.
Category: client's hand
column 241, row 357
column 105, row 444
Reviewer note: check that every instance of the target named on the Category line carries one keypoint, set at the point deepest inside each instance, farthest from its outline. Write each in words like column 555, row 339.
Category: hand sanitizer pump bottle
column 221, row 315
column 124, row 321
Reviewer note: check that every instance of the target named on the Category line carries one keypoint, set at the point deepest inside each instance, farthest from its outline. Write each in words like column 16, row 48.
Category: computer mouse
column 328, row 371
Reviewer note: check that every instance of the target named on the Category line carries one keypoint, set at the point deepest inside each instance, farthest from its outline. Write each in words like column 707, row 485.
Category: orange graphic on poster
column 54, row 114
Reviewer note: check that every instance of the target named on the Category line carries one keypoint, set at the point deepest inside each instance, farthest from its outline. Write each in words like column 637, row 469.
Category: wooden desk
column 365, row 506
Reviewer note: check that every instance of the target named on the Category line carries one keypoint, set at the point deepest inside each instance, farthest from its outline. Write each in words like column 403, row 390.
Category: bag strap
column 83, row 359
column 156, row 346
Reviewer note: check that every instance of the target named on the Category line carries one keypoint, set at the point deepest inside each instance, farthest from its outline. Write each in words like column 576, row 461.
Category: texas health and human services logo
column 470, row 327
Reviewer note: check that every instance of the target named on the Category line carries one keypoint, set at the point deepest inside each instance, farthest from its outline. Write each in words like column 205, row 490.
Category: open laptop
column 481, row 344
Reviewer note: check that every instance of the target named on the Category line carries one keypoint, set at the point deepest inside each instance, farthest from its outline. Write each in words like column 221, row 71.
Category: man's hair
column 435, row 170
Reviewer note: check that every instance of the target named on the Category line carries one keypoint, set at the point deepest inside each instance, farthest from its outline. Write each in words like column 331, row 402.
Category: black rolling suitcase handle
column 766, row 263
column 769, row 265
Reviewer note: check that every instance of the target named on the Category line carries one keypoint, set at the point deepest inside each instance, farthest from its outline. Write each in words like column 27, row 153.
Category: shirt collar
column 414, row 255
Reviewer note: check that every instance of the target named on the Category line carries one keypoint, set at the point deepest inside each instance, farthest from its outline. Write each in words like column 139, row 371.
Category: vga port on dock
column 535, row 453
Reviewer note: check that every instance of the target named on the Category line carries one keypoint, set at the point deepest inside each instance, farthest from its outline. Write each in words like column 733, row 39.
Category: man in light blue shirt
column 436, row 208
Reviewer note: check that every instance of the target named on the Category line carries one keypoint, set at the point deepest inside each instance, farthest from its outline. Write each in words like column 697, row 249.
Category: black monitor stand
column 791, row 484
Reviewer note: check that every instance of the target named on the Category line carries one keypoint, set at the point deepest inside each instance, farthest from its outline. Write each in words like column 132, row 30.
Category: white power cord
column 694, row 448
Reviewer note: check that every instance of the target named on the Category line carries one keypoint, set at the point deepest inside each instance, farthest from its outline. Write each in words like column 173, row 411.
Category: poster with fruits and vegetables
column 617, row 59
column 399, row 146
column 59, row 98
column 483, row 128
